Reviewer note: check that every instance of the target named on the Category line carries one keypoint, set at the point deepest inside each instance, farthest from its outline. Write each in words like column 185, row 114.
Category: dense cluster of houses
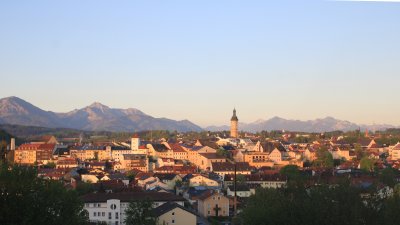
column 188, row 180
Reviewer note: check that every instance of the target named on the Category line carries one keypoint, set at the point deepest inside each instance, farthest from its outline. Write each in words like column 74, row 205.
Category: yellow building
column 213, row 204
column 135, row 161
column 204, row 160
column 34, row 153
column 26, row 154
column 88, row 152
column 174, row 214
column 200, row 180
column 258, row 159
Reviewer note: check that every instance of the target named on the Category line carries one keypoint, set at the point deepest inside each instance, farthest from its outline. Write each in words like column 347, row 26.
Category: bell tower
column 135, row 142
column 234, row 125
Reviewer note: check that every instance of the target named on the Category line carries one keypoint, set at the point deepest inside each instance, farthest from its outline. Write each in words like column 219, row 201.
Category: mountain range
column 98, row 117
column 94, row 117
column 317, row 125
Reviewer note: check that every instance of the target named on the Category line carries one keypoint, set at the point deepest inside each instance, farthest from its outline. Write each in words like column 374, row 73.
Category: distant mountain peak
column 13, row 99
column 98, row 105
column 96, row 116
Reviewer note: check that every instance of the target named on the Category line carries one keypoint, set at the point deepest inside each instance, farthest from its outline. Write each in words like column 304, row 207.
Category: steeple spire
column 234, row 117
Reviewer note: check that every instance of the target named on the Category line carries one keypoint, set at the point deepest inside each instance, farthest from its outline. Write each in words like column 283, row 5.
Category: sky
column 198, row 60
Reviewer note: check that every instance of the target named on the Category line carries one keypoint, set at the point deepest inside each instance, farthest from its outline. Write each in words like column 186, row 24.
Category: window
column 116, row 216
column 173, row 213
column 208, row 212
column 94, row 214
column 109, row 216
column 173, row 221
column 98, row 205
column 103, row 214
column 116, row 223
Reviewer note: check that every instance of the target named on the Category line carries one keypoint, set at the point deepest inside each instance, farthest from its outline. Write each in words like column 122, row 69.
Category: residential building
column 110, row 207
column 179, row 152
column 30, row 154
column 213, row 203
column 258, row 159
column 160, row 151
column 204, row 160
column 135, row 161
column 242, row 191
column 174, row 214
column 200, row 180
column 264, row 180
column 88, row 152
column 66, row 163
column 223, row 168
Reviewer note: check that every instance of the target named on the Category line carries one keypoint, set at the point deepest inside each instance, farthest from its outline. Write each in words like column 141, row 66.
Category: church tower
column 135, row 142
column 234, row 125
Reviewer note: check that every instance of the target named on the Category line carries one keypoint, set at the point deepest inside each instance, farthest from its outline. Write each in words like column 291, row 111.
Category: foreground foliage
column 340, row 204
column 26, row 199
column 140, row 212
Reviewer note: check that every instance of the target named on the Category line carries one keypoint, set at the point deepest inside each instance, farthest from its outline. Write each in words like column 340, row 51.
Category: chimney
column 12, row 145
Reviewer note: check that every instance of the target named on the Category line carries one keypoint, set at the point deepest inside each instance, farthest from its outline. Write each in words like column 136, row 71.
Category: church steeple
column 234, row 117
column 234, row 125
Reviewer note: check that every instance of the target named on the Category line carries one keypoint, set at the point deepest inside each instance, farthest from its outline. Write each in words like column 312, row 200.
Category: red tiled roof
column 143, row 175
column 132, row 196
column 28, row 147
column 176, row 147
column 227, row 166
column 48, row 147
column 212, row 156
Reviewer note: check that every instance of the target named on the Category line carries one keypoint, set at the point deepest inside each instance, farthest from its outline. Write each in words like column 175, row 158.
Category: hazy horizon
column 198, row 60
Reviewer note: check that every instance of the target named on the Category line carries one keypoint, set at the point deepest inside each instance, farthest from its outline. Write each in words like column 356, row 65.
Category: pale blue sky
column 196, row 60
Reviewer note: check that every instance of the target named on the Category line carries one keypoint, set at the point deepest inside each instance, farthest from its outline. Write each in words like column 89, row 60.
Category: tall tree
column 359, row 151
column 293, row 174
column 3, row 150
column 387, row 176
column 324, row 158
column 367, row 164
column 140, row 212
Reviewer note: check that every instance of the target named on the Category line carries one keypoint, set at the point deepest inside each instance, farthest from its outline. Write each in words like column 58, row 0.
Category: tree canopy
column 340, row 204
column 26, row 199
column 140, row 212
column 324, row 158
